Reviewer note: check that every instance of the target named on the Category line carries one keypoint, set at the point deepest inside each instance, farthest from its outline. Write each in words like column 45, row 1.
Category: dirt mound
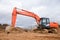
column 14, row 30
column 18, row 29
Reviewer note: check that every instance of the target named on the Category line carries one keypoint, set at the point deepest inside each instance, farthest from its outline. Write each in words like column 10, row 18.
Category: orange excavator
column 43, row 23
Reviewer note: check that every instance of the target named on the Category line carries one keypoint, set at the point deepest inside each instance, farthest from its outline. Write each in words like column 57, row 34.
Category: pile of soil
column 18, row 30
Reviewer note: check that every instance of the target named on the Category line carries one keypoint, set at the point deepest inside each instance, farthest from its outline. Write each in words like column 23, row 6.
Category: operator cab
column 44, row 22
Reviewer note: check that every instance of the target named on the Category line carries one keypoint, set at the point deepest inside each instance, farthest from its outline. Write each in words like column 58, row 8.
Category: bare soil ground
column 22, row 35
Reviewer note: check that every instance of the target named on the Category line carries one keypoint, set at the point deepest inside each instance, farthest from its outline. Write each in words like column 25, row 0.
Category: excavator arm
column 23, row 12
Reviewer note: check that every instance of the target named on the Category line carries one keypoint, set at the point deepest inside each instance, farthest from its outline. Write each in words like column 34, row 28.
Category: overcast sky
column 43, row 8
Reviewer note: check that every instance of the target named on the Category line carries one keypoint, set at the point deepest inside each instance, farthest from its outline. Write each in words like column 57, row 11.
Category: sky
column 43, row 8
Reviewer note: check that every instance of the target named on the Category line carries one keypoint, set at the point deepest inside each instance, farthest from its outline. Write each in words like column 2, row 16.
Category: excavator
column 43, row 23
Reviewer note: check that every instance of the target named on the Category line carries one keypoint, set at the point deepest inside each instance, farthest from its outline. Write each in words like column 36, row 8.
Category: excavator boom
column 23, row 12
